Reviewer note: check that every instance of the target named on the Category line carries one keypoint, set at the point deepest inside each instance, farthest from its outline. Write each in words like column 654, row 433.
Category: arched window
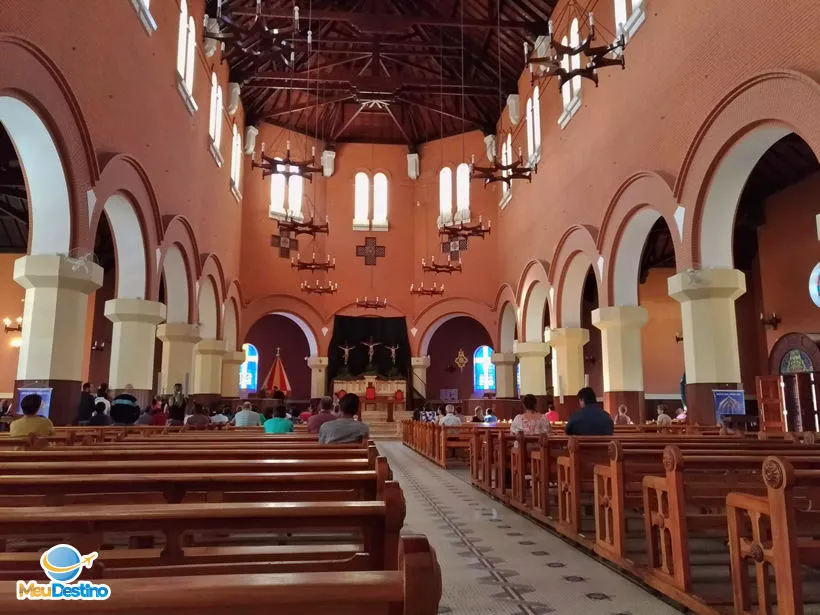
column 620, row 15
column 536, row 119
column 236, row 158
column 186, row 46
column 296, row 188
column 215, row 124
column 483, row 369
column 566, row 89
column 445, row 195
column 506, row 159
column 249, row 370
column 463, row 191
column 530, row 129
column 361, row 211
column 380, row 199
column 575, row 61
column 278, row 183
column 626, row 20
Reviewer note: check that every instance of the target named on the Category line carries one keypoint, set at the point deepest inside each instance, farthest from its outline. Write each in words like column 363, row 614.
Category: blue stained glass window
column 483, row 369
column 249, row 370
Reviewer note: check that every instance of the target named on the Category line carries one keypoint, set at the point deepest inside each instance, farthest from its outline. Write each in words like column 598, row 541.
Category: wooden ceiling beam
column 317, row 103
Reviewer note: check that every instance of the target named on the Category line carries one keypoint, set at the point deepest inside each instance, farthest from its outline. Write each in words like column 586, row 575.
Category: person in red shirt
column 324, row 415
column 552, row 415
column 305, row 416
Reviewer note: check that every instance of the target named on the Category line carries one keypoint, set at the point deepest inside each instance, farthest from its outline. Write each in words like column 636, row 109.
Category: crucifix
column 346, row 350
column 371, row 251
column 371, row 345
column 285, row 243
column 393, row 350
column 454, row 248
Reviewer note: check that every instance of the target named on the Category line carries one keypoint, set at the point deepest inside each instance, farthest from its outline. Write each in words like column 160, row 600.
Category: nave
column 495, row 561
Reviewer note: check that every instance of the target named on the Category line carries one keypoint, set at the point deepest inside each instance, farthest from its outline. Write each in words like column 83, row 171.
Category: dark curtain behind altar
column 353, row 330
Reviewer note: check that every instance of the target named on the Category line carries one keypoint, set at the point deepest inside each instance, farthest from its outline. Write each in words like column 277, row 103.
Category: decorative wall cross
column 370, row 251
column 285, row 243
column 454, row 248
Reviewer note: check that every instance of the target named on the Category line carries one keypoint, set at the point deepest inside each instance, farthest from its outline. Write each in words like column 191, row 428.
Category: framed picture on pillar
column 45, row 408
column 448, row 394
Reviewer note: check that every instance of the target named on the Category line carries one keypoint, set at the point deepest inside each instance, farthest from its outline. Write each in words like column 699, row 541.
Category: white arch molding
column 311, row 338
column 207, row 307
column 431, row 330
column 46, row 185
column 507, row 329
column 229, row 327
column 129, row 247
column 723, row 195
column 176, row 286
column 535, row 311
column 573, row 289
column 627, row 262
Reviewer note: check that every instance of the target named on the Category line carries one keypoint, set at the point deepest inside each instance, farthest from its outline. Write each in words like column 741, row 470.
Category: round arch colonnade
column 698, row 206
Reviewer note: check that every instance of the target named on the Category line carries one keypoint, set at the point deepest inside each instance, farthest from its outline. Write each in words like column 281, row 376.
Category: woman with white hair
column 450, row 419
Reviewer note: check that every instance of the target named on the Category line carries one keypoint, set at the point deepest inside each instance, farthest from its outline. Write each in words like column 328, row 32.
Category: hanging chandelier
column 306, row 227
column 434, row 267
column 371, row 304
column 312, row 265
column 601, row 56
column 252, row 40
column 427, row 292
column 500, row 172
column 16, row 326
column 463, row 231
column 287, row 167
column 319, row 289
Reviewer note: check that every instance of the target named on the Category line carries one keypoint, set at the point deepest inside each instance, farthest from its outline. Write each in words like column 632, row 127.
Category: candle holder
column 17, row 324
column 371, row 304
column 435, row 268
column 427, row 292
column 770, row 322
column 312, row 265
column 463, row 231
column 319, row 289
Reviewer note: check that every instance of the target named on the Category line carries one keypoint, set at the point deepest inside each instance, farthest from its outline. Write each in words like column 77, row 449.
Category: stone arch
column 210, row 291
column 508, row 323
column 53, row 144
column 534, row 298
column 575, row 253
column 125, row 195
column 293, row 308
column 230, row 325
column 793, row 341
column 233, row 301
column 637, row 205
column 435, row 315
column 743, row 125
column 178, row 262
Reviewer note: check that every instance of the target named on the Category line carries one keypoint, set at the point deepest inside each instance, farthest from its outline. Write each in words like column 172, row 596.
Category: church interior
column 459, row 215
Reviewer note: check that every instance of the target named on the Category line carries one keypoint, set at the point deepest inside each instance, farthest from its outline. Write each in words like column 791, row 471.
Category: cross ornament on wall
column 285, row 243
column 454, row 248
column 370, row 251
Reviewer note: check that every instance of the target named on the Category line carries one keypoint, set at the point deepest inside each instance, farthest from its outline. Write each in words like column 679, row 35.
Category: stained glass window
column 483, row 369
column 814, row 285
column 249, row 370
column 795, row 361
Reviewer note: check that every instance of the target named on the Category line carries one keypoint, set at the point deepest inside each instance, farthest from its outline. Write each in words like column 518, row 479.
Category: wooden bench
column 413, row 589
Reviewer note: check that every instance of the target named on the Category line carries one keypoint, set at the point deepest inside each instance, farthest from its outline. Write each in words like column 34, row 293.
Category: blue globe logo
column 62, row 563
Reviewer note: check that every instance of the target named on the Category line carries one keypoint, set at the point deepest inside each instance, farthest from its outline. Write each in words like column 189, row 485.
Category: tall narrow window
column 483, row 369
column 236, row 158
column 296, row 188
column 566, row 89
column 186, row 51
column 575, row 61
column 380, row 199
column 215, row 125
column 626, row 20
column 530, row 129
column 361, row 209
column 182, row 40
column 536, row 117
column 445, row 195
column 620, row 15
column 506, row 159
column 278, row 185
column 463, row 192
column 249, row 370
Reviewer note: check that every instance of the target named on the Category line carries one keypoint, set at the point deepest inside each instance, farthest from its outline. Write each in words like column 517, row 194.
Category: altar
column 385, row 397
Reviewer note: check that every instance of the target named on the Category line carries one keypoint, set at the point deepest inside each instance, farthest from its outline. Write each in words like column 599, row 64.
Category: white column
column 208, row 367
column 178, row 341
column 132, row 341
column 531, row 357
column 504, row 374
column 231, row 363
column 318, row 376
column 54, row 315
column 621, row 345
column 419, row 365
column 568, row 359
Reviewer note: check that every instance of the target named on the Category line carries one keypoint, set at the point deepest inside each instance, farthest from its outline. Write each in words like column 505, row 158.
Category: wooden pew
column 89, row 528
column 413, row 589
column 776, row 535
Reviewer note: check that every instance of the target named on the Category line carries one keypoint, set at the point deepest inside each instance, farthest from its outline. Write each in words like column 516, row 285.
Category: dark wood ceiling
column 13, row 199
column 379, row 71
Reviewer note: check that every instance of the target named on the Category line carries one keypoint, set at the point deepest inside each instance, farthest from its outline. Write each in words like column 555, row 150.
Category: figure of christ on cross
column 371, row 349
column 393, row 350
column 346, row 350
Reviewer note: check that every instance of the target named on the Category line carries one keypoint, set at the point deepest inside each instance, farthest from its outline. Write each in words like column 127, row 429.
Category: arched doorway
column 452, row 347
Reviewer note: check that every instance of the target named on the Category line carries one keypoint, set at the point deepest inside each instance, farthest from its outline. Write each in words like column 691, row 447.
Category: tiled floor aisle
column 495, row 561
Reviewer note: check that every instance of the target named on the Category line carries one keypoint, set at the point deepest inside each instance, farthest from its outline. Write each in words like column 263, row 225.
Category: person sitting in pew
column 247, row 417
column 489, row 417
column 219, row 417
column 199, row 419
column 590, row 419
column 124, row 409
column 552, row 415
column 100, row 417
column 450, row 419
column 30, row 423
column 345, row 429
column 530, row 422
column 324, row 415
column 277, row 421
column 623, row 417
column 663, row 420
column 478, row 417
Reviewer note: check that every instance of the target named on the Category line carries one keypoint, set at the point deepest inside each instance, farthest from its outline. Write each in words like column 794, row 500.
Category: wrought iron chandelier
column 307, row 227
column 253, row 40
column 427, row 292
column 601, row 56
column 500, row 172
column 434, row 267
column 287, row 167
column 312, row 265
column 371, row 304
column 319, row 289
column 16, row 325
column 462, row 231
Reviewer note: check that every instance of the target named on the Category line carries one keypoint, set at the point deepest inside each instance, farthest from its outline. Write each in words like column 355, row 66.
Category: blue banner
column 728, row 402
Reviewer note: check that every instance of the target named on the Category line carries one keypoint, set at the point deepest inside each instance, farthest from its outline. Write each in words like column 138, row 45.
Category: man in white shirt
column 246, row 417
column 219, row 418
column 450, row 419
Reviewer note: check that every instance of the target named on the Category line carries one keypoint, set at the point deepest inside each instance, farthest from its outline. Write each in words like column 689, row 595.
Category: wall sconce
column 678, row 338
column 772, row 322
column 589, row 359
column 16, row 342
column 17, row 326
column 97, row 346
